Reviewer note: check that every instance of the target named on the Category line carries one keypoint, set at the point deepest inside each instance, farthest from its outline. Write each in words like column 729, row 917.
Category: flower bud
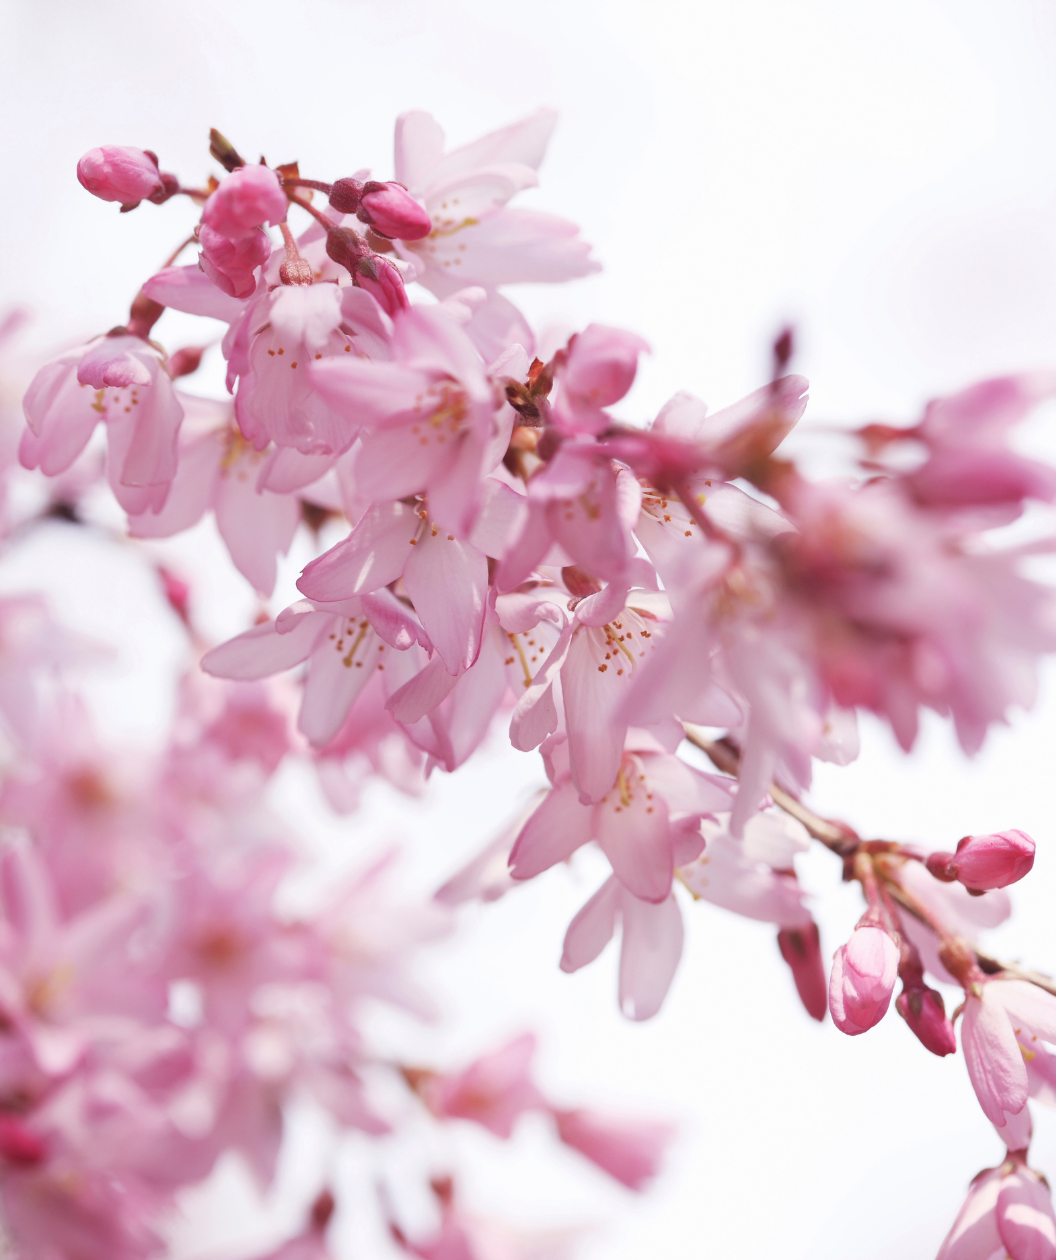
column 346, row 195
column 383, row 282
column 390, row 210
column 231, row 264
column 19, row 1144
column 250, row 196
column 346, row 247
column 118, row 173
column 862, row 979
column 925, row 1012
column 985, row 862
column 801, row 948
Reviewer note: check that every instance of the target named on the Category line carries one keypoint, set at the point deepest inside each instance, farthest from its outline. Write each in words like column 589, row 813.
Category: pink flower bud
column 602, row 364
column 231, row 264
column 118, row 173
column 925, row 1012
column 250, row 196
column 391, row 211
column 19, row 1144
column 383, row 282
column 985, row 862
column 630, row 1152
column 801, row 948
column 862, row 980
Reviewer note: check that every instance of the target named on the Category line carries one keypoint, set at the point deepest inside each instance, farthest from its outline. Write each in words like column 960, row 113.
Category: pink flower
column 1008, row 1212
column 342, row 651
column 494, row 1090
column 649, row 951
column 630, row 1152
column 476, row 238
column 1003, row 1021
column 120, row 380
column 982, row 863
column 289, row 332
column 646, row 824
column 436, row 424
column 247, row 198
column 862, row 979
column 118, row 173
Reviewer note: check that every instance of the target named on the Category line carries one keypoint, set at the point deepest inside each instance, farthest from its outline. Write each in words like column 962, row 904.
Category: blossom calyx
column 296, row 271
column 116, row 172
column 982, row 863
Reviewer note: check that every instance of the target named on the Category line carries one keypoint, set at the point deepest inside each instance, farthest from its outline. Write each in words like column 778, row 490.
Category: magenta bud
column 346, row 248
column 862, row 979
column 383, row 282
column 346, row 195
column 118, row 173
column 249, row 197
column 801, row 948
column 925, row 1012
column 941, row 866
column 391, row 211
column 19, row 1144
column 985, row 862
column 185, row 361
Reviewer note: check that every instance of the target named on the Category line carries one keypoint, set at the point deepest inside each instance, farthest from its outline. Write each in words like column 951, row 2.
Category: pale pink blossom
column 120, row 380
column 862, row 979
column 596, row 371
column 117, row 172
column 1008, row 1212
column 435, row 423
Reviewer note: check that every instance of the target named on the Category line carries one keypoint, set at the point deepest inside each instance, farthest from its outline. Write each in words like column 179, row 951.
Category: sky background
column 882, row 176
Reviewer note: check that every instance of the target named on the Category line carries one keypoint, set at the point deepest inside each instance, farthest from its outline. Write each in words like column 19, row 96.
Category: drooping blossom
column 862, row 979
column 1008, row 1212
column 1003, row 1020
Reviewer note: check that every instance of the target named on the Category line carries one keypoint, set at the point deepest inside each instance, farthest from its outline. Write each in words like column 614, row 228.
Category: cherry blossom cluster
column 505, row 551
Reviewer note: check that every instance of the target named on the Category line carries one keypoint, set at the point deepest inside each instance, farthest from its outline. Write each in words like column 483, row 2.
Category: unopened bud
column 925, row 1012
column 383, row 282
column 322, row 1210
column 801, row 948
column 185, row 361
column 118, row 173
column 346, row 195
column 862, row 979
column 346, row 247
column 985, row 862
column 390, row 210
column 19, row 1144
column 941, row 866
column 296, row 271
column 249, row 197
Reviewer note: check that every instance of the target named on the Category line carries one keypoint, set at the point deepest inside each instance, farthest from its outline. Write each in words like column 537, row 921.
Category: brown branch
column 842, row 841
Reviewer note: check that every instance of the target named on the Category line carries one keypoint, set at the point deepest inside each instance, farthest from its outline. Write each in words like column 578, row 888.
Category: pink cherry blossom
column 862, row 979
column 117, row 172
column 598, row 371
column 1008, row 1212
column 435, row 422
column 120, row 380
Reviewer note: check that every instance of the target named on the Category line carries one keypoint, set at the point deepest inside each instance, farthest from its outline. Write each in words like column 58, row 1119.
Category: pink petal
column 649, row 954
column 1027, row 1006
column 372, row 556
column 553, row 833
column 992, row 1055
column 189, row 289
column 256, row 526
column 334, row 681
column 423, row 693
column 633, row 833
column 447, row 581
column 1024, row 1217
column 262, row 651
column 592, row 928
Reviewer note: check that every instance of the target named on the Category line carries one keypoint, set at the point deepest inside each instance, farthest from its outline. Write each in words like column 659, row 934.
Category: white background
column 882, row 175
